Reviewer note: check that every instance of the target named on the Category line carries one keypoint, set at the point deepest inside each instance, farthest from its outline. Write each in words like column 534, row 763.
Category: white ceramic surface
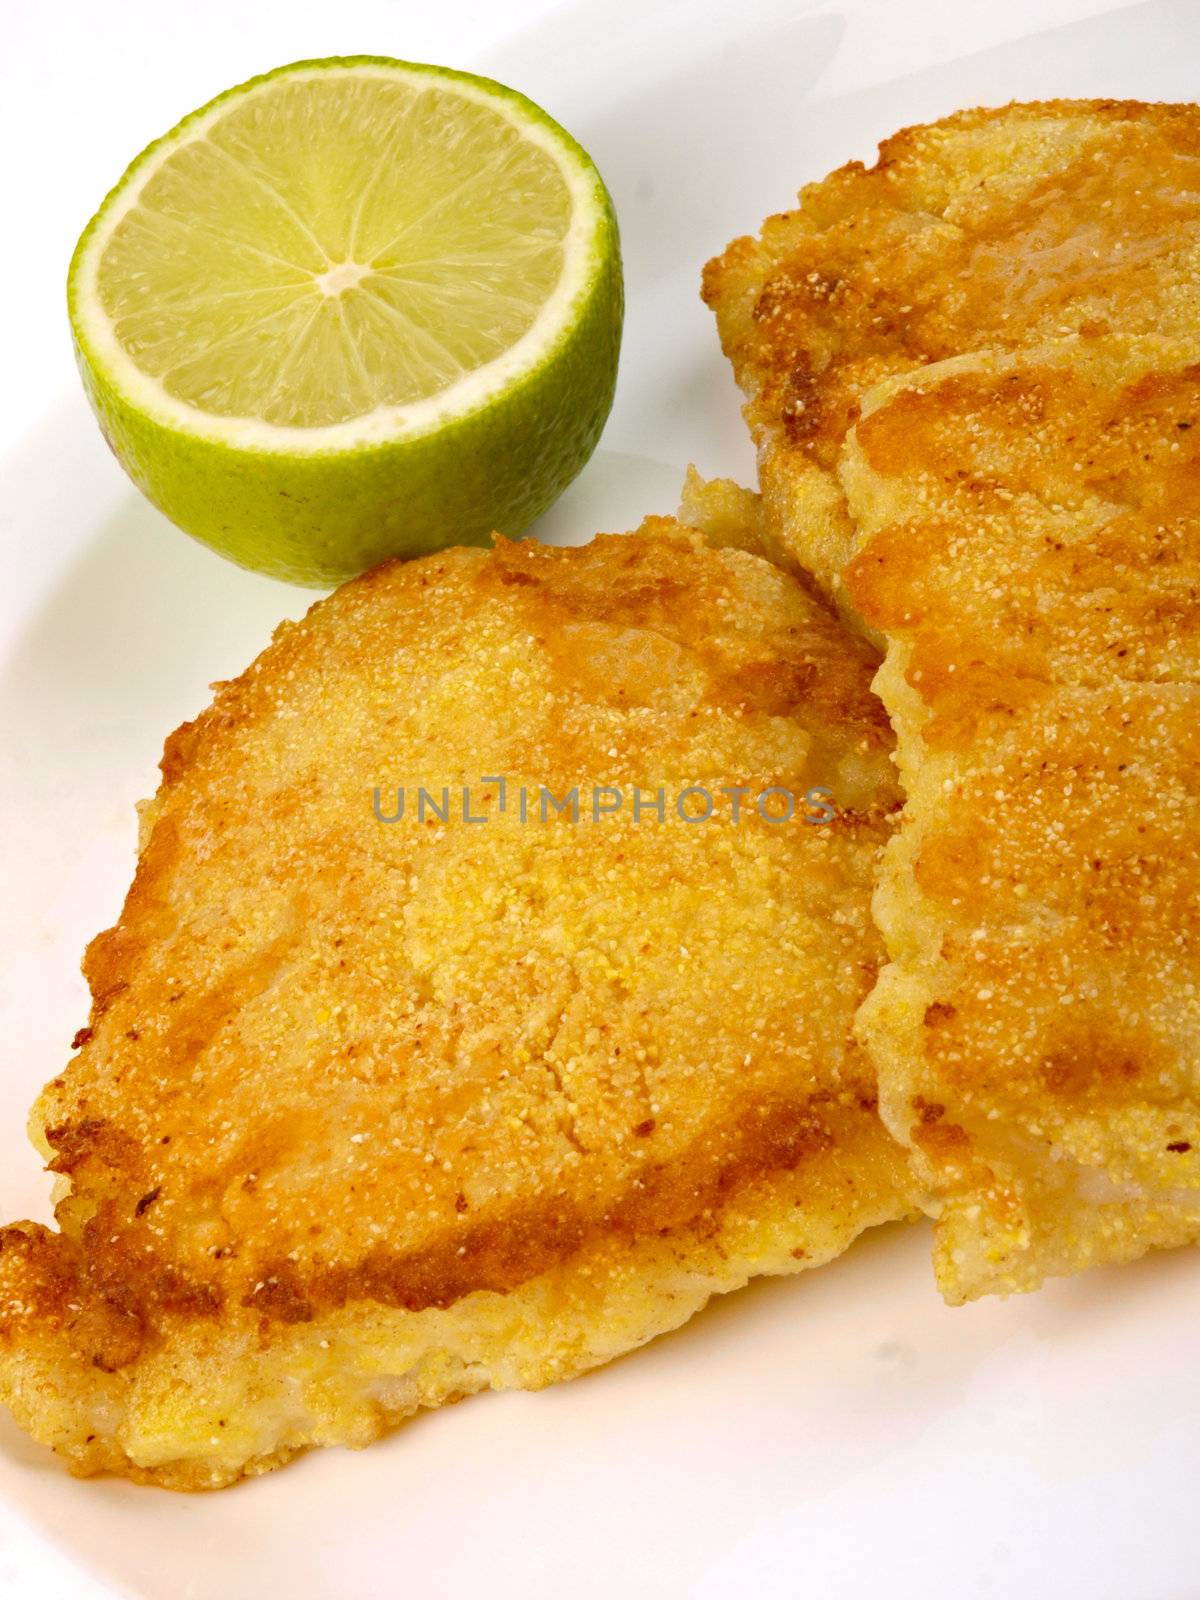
column 842, row 1434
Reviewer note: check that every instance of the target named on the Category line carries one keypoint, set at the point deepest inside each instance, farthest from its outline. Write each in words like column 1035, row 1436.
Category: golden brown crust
column 1030, row 548
column 985, row 343
column 994, row 228
column 340, row 1068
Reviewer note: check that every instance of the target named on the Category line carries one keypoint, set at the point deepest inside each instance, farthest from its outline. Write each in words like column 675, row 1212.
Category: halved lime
column 351, row 309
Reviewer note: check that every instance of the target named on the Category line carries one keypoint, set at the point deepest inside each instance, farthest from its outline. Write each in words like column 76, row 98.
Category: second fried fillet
column 968, row 375
column 1030, row 548
column 990, row 229
column 370, row 1114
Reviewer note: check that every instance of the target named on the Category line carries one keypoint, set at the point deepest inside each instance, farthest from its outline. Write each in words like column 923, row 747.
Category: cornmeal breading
column 990, row 229
column 371, row 1115
column 1029, row 531
column 968, row 374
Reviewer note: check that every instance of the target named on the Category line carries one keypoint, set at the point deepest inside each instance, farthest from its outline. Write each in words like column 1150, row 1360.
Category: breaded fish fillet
column 1021, row 533
column 373, row 1114
column 990, row 229
column 1029, row 545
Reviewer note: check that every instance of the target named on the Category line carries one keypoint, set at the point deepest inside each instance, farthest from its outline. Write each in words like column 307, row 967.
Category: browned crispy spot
column 1105, row 1060
column 942, row 1141
column 92, row 1142
column 928, row 1110
column 58, row 1289
column 529, row 1238
column 279, row 1295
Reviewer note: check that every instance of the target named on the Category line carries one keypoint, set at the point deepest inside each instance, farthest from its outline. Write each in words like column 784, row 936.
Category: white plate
column 841, row 1434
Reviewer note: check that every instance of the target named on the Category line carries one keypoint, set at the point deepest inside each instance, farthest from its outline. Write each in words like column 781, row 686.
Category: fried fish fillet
column 1010, row 302
column 370, row 1114
column 991, row 229
column 1029, row 545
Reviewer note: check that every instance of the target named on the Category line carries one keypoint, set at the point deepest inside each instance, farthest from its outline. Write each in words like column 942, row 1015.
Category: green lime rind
column 318, row 516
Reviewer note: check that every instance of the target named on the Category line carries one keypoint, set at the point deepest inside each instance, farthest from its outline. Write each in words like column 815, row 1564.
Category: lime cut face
column 340, row 259
column 387, row 247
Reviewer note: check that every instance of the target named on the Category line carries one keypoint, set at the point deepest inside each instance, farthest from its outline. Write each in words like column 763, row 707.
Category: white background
column 837, row 1435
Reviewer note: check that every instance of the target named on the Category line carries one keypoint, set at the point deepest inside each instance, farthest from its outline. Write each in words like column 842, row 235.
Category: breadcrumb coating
column 1030, row 547
column 991, row 229
column 969, row 372
column 369, row 1115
